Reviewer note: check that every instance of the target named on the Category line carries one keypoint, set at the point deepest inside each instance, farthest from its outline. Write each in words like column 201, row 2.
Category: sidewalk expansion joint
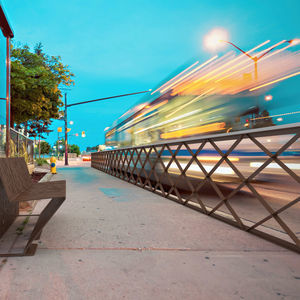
column 162, row 249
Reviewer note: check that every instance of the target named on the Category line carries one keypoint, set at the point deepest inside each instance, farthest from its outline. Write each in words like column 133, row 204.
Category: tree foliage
column 91, row 149
column 71, row 148
column 74, row 149
column 45, row 148
column 35, row 78
column 36, row 129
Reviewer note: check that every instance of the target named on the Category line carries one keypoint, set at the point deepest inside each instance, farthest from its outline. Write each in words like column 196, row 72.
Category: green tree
column 60, row 144
column 74, row 149
column 94, row 148
column 45, row 148
column 35, row 78
column 37, row 129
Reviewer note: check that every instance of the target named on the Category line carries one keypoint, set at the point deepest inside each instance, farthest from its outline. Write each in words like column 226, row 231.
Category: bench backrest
column 14, row 176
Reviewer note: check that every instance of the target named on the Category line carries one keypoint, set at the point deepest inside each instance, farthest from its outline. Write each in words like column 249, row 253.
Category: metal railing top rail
column 257, row 132
column 19, row 133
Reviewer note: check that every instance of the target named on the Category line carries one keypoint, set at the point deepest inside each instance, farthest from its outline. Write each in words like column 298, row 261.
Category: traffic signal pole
column 66, row 132
column 84, row 102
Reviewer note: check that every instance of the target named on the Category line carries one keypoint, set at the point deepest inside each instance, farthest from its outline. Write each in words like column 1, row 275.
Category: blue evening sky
column 124, row 46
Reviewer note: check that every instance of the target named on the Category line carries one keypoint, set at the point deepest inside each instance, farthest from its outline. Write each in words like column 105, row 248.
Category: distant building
column 6, row 34
column 101, row 147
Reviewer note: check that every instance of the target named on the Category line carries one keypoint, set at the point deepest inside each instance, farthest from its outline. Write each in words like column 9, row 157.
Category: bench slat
column 16, row 186
column 14, row 176
column 43, row 190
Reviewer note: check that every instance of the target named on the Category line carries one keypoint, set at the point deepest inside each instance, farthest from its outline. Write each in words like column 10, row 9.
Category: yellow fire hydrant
column 53, row 165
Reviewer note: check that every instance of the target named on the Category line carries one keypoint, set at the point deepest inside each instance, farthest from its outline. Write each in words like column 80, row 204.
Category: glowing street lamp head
column 268, row 97
column 214, row 38
column 294, row 42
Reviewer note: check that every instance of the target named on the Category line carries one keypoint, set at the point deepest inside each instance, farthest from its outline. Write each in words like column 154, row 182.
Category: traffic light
column 59, row 129
column 83, row 133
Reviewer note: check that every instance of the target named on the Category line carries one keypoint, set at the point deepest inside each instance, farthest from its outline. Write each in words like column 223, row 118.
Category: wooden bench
column 16, row 186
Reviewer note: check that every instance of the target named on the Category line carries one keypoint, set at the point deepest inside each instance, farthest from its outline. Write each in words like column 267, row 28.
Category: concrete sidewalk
column 112, row 240
column 73, row 162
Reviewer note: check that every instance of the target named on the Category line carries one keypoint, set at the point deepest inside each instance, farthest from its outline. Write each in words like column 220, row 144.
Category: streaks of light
column 251, row 63
column 151, row 108
column 169, row 121
column 197, row 83
column 273, row 116
column 186, row 75
column 188, row 103
column 274, row 81
column 194, row 130
column 175, row 77
column 241, row 56
column 255, row 164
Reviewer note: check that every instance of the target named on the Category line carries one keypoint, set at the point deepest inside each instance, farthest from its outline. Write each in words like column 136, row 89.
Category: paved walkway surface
column 73, row 162
column 113, row 240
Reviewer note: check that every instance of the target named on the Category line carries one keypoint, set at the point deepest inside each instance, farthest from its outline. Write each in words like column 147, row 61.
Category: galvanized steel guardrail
column 258, row 197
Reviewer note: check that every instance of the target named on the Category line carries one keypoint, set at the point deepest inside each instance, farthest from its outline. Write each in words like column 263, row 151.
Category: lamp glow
column 268, row 97
column 294, row 42
column 213, row 39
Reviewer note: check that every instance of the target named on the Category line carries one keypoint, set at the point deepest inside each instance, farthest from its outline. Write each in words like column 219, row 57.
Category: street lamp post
column 66, row 132
column 213, row 39
column 216, row 36
column 255, row 59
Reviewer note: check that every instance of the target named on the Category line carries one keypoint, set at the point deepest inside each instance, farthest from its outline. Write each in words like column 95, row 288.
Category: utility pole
column 66, row 127
column 66, row 131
